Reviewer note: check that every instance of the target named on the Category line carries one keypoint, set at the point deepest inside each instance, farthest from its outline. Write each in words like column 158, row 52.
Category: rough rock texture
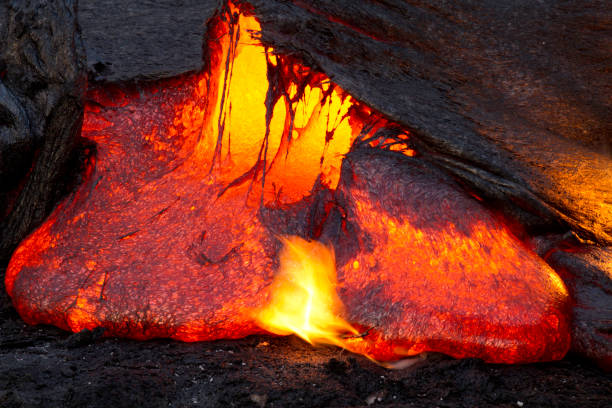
column 140, row 40
column 588, row 273
column 42, row 81
column 512, row 97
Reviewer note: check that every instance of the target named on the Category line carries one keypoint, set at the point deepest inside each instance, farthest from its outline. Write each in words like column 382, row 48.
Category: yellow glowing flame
column 303, row 295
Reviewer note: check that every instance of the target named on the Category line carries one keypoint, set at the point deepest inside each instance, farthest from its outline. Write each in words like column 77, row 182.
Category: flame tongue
column 303, row 295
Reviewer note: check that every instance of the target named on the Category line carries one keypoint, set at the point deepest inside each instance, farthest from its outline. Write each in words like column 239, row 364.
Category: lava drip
column 175, row 230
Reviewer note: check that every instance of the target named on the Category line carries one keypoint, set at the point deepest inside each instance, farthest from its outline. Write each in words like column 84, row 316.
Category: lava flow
column 173, row 232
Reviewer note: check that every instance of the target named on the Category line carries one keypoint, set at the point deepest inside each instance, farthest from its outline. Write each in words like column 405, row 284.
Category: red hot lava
column 175, row 230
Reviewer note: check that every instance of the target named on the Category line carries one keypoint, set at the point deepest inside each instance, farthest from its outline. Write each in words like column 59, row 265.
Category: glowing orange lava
column 292, row 131
column 173, row 230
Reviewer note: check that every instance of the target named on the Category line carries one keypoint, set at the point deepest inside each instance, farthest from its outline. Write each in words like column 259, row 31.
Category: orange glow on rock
column 172, row 232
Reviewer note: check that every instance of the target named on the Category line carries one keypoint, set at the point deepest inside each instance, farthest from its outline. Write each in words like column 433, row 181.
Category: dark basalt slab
column 588, row 274
column 128, row 41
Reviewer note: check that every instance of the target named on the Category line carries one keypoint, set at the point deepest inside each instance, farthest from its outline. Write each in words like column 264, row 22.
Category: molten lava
column 303, row 295
column 173, row 230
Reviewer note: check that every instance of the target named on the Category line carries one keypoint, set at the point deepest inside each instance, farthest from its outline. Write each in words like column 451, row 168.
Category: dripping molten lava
column 173, row 231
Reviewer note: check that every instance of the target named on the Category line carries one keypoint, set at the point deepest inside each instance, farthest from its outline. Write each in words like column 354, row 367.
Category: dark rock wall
column 588, row 275
column 42, row 82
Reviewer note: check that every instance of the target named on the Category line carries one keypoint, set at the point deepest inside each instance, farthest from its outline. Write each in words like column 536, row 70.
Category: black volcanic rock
column 588, row 274
column 134, row 41
column 42, row 82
